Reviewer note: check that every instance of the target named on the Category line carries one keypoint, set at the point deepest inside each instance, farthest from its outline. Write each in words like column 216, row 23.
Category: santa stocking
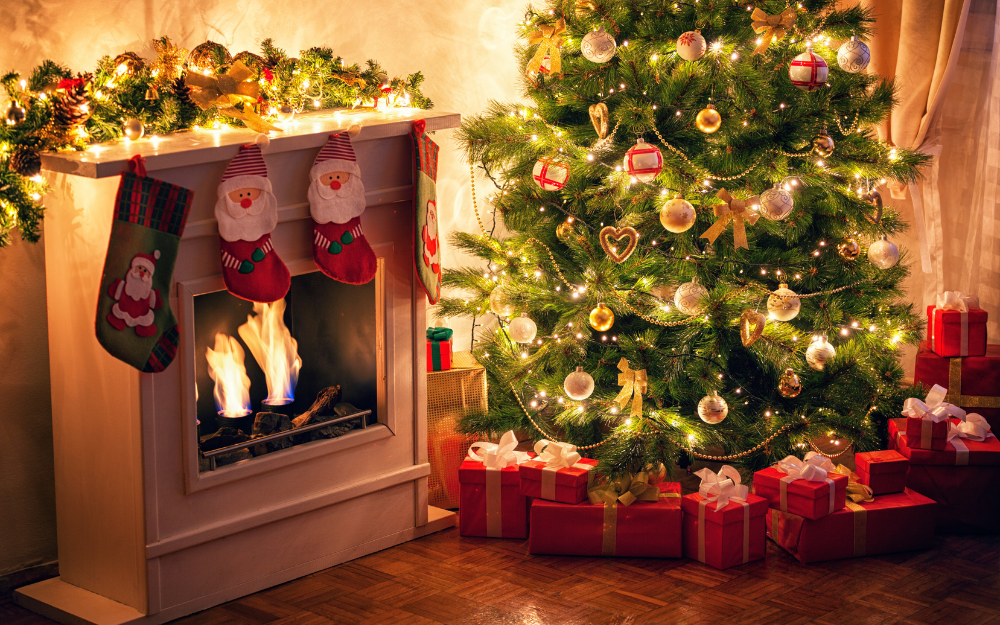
column 134, row 320
column 247, row 213
column 336, row 201
column 426, row 244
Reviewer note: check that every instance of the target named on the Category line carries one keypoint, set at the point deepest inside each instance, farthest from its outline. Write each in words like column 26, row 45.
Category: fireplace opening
column 273, row 376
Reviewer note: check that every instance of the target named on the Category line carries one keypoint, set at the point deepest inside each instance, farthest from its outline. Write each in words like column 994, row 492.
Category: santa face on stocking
column 429, row 235
column 336, row 196
column 135, row 298
column 246, row 213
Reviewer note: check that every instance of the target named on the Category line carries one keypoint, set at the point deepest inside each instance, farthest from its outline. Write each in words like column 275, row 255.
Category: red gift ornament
column 643, row 161
column 808, row 71
column 550, row 174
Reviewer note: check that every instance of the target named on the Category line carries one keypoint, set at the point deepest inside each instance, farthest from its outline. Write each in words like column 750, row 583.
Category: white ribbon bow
column 812, row 468
column 722, row 486
column 556, row 455
column 499, row 455
column 974, row 428
column 935, row 409
column 957, row 300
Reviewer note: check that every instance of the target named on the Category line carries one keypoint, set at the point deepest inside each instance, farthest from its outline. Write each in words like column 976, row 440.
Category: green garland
column 54, row 110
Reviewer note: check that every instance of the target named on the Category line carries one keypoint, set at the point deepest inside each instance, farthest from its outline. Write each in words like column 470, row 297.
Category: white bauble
column 713, row 408
column 819, row 353
column 522, row 329
column 644, row 161
column 690, row 297
column 500, row 303
column 579, row 385
column 677, row 215
column 550, row 174
column 691, row 46
column 598, row 46
column 808, row 71
column 853, row 56
column 883, row 253
column 784, row 303
column 776, row 203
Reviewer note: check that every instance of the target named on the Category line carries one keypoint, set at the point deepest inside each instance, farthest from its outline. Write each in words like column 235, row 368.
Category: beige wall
column 462, row 46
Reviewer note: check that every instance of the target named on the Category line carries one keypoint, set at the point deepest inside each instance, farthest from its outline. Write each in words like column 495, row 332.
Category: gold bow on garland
column 734, row 210
column 856, row 491
column 234, row 92
column 633, row 385
column 627, row 490
column 771, row 26
column 549, row 38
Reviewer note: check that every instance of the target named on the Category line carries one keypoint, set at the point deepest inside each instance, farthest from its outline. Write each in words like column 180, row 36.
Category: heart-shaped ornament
column 599, row 118
column 613, row 249
column 751, row 326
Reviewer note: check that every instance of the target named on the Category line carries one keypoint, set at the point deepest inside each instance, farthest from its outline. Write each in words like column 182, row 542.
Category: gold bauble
column 133, row 129
column 602, row 318
column 285, row 113
column 253, row 62
column 128, row 64
column 789, row 384
column 500, row 303
column 822, row 145
column 564, row 231
column 677, row 215
column 708, row 120
column 848, row 249
column 208, row 56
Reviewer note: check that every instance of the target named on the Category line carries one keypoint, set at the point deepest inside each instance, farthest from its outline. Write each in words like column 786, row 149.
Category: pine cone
column 183, row 92
column 26, row 162
column 72, row 107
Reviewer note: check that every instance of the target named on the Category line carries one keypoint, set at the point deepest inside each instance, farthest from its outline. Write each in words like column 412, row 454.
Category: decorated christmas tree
column 695, row 260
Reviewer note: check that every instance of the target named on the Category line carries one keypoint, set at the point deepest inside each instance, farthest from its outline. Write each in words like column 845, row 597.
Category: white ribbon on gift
column 723, row 488
column 974, row 428
column 961, row 302
column 812, row 468
column 934, row 410
column 557, row 456
column 496, row 456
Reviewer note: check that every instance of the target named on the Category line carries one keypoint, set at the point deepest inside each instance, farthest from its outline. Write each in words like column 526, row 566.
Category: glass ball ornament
column 691, row 45
column 522, row 329
column 708, row 120
column 883, row 253
column 677, row 215
column 550, row 174
column 789, row 384
column 602, row 318
column 579, row 385
column 598, row 46
column 784, row 303
column 690, row 297
column 822, row 144
column 713, row 408
column 285, row 113
column 819, row 353
column 643, row 161
column 134, row 129
column 15, row 114
column 564, row 231
column 500, row 303
column 808, row 71
column 853, row 56
column 848, row 249
column 776, row 203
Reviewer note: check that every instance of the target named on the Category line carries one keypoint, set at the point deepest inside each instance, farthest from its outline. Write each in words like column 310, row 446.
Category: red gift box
column 490, row 502
column 968, row 497
column 973, row 382
column 955, row 333
column 441, row 352
column 565, row 485
column 806, row 498
column 723, row 538
column 957, row 451
column 927, row 434
column 644, row 529
column 882, row 471
column 897, row 522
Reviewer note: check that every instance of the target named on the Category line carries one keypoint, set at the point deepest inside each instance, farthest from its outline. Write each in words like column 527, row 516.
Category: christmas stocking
column 336, row 201
column 247, row 212
column 426, row 245
column 134, row 321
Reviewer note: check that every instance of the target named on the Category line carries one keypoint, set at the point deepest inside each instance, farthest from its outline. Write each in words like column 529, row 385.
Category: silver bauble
column 819, row 353
column 690, row 297
column 853, row 56
column 713, row 408
column 776, row 203
column 883, row 253
column 579, row 385
column 522, row 329
column 691, row 46
column 784, row 303
column 598, row 46
column 134, row 129
column 500, row 303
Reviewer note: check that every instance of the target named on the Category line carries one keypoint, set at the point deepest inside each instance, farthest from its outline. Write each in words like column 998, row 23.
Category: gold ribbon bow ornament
column 549, row 40
column 625, row 490
column 771, row 26
column 633, row 385
column 737, row 211
column 234, row 93
column 856, row 491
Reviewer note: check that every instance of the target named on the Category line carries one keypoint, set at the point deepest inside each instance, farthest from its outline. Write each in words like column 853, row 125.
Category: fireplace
column 170, row 498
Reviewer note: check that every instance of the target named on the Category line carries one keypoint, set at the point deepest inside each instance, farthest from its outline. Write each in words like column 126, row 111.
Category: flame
column 274, row 349
column 232, row 386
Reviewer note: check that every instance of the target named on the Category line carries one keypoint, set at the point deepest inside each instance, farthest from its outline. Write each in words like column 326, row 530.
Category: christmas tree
column 687, row 204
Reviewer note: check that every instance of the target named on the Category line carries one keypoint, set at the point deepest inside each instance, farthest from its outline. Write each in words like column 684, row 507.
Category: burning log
column 266, row 423
column 224, row 437
column 326, row 407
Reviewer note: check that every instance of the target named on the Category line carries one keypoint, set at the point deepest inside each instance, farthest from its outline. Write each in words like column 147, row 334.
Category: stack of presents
column 942, row 470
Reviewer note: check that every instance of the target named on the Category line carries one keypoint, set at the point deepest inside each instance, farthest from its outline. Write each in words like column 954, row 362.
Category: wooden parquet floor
column 445, row 578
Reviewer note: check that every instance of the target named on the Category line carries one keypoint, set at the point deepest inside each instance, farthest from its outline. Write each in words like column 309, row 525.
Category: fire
column 274, row 349
column 232, row 386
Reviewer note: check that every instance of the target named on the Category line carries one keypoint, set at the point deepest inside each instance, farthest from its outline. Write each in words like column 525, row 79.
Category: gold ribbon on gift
column 856, row 491
column 955, row 395
column 549, row 40
column 626, row 490
column 860, row 529
column 737, row 211
column 771, row 26
column 633, row 385
column 234, row 93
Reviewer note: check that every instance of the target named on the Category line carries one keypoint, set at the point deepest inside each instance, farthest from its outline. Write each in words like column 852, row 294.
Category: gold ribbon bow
column 549, row 38
column 856, row 491
column 234, row 92
column 771, row 26
column 633, row 385
column 625, row 490
column 734, row 210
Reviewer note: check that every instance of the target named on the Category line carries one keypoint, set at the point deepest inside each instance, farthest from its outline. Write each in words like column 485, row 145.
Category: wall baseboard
column 30, row 575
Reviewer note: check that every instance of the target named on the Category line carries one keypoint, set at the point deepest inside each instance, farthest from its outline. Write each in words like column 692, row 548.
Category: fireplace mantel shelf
column 308, row 130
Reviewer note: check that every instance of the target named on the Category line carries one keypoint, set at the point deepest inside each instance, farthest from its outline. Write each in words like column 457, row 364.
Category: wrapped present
column 957, row 325
column 723, row 522
column 647, row 526
column 557, row 473
column 973, row 382
column 927, row 424
column 810, row 488
column 491, row 500
column 888, row 524
column 969, row 443
column 439, row 349
column 968, row 497
column 882, row 471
